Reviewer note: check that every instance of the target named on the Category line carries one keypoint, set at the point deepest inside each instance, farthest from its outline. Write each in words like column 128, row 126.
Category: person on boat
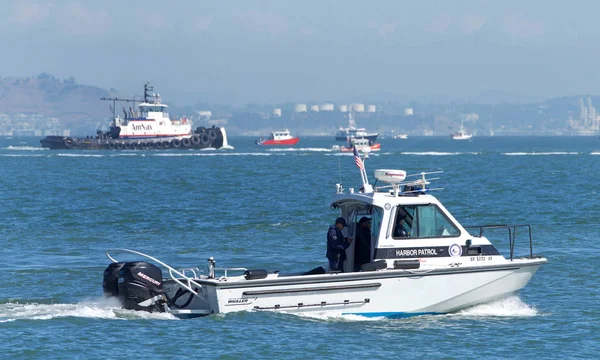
column 337, row 245
column 362, row 246
column 400, row 230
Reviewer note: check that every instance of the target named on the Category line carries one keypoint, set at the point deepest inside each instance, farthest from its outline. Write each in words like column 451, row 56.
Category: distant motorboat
column 279, row 138
column 401, row 136
column 360, row 144
column 461, row 134
column 354, row 132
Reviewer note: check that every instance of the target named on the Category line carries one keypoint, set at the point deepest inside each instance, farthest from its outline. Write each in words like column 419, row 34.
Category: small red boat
column 279, row 138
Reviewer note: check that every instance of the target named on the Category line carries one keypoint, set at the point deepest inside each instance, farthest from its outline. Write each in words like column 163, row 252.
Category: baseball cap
column 364, row 219
column 340, row 220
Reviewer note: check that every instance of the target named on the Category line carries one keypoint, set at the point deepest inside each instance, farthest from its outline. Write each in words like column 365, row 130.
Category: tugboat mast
column 147, row 89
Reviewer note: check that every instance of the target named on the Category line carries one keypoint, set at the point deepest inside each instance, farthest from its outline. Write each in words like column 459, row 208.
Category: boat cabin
column 280, row 135
column 406, row 222
column 153, row 111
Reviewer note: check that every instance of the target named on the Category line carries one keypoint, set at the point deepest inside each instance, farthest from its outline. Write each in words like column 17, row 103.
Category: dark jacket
column 336, row 244
column 362, row 250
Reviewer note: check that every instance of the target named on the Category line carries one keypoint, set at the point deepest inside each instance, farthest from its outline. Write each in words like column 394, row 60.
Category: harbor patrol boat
column 421, row 261
column 150, row 127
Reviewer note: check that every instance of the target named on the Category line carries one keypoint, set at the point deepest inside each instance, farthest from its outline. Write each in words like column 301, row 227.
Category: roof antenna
column 338, row 186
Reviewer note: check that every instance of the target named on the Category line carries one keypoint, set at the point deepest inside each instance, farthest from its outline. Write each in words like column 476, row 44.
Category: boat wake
column 211, row 154
column 438, row 153
column 101, row 308
column 24, row 148
column 511, row 306
column 540, row 153
column 300, row 150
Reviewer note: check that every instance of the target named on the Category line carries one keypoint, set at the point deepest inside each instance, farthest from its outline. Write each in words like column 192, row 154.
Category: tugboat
column 148, row 128
column 279, row 138
column 421, row 260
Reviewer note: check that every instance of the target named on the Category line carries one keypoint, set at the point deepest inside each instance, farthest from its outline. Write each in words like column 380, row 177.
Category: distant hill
column 48, row 105
column 51, row 97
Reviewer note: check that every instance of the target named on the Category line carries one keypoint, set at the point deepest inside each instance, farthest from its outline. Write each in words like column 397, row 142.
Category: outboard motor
column 140, row 287
column 109, row 282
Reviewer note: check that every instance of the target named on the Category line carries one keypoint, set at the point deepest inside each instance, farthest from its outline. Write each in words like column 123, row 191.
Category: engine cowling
column 140, row 287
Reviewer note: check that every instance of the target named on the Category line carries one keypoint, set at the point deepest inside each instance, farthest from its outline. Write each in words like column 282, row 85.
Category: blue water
column 269, row 208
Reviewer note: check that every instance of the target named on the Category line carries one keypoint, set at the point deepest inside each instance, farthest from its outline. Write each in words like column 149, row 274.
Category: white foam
column 81, row 155
column 540, row 153
column 435, row 153
column 22, row 155
column 211, row 154
column 511, row 306
column 25, row 148
column 98, row 309
column 337, row 317
column 301, row 149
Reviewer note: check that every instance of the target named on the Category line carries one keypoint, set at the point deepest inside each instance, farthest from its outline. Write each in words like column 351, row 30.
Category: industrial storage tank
column 327, row 107
column 358, row 107
column 300, row 108
column 314, row 108
column 344, row 108
column 277, row 112
column 409, row 112
column 371, row 108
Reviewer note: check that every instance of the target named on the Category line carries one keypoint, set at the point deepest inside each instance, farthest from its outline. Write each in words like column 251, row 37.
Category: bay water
column 268, row 208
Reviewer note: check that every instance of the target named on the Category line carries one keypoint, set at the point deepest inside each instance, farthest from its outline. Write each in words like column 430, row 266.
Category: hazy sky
column 312, row 50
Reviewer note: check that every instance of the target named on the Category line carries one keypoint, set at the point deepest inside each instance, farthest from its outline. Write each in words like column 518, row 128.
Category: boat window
column 376, row 219
column 422, row 221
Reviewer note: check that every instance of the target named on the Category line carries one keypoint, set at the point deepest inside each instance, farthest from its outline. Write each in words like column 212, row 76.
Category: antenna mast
column 147, row 88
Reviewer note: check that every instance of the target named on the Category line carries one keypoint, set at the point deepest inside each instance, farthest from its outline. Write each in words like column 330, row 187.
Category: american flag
column 358, row 160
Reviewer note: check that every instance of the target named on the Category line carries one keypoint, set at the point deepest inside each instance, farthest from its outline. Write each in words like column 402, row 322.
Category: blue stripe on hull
column 393, row 315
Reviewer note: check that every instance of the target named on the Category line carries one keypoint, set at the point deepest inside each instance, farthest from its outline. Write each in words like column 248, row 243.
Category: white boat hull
column 388, row 293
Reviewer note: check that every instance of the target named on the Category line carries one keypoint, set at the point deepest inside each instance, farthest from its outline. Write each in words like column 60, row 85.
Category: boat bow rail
column 512, row 235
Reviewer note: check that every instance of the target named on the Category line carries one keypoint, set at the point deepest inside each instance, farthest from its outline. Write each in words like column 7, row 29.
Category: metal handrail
column 171, row 270
column 194, row 271
column 512, row 233
column 231, row 269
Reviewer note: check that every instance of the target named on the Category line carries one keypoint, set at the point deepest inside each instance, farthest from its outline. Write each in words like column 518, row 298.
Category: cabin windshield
column 422, row 221
column 152, row 108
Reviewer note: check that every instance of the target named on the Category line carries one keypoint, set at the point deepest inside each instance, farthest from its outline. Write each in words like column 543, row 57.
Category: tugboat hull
column 200, row 139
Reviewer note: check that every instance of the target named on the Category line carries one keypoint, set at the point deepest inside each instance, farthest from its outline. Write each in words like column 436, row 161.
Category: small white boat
column 421, row 260
column 461, row 134
column 353, row 131
column 401, row 136
column 363, row 145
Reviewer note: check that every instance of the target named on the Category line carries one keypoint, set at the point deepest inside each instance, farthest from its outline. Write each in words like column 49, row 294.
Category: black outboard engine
column 140, row 287
column 109, row 282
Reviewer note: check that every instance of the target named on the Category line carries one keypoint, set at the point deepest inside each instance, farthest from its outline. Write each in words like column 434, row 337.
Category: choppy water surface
column 268, row 208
